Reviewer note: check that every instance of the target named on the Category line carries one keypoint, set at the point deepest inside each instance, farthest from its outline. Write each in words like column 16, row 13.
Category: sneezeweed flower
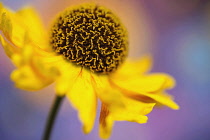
column 84, row 53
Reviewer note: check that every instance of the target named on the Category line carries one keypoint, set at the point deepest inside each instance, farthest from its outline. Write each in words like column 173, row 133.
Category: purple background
column 175, row 32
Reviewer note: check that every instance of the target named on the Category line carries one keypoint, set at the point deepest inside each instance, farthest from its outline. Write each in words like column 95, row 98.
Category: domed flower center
column 90, row 36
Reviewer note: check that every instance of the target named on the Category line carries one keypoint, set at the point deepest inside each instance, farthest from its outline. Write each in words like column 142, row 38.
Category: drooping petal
column 22, row 27
column 68, row 73
column 148, row 87
column 11, row 27
column 22, row 39
column 146, row 83
column 82, row 96
column 29, row 73
column 133, row 68
column 105, row 122
column 33, row 24
column 164, row 98
column 133, row 111
column 29, row 79
column 117, row 107
column 102, row 88
column 8, row 48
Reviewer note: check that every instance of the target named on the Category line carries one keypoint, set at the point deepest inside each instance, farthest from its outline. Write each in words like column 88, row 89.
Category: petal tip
column 176, row 107
column 104, row 133
column 86, row 130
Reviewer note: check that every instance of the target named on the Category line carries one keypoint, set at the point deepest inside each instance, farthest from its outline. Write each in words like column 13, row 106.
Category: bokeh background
column 175, row 32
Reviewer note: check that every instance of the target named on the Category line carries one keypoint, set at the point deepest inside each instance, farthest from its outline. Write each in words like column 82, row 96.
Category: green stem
column 52, row 116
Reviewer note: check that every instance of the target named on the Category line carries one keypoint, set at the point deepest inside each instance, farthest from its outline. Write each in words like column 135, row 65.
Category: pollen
column 90, row 36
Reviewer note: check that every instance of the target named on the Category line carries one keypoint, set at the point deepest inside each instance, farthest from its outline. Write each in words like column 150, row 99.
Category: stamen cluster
column 90, row 36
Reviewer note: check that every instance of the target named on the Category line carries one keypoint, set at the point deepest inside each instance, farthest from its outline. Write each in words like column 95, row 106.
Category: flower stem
column 51, row 117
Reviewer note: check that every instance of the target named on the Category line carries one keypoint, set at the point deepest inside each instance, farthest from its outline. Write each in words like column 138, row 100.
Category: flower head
column 90, row 36
column 84, row 54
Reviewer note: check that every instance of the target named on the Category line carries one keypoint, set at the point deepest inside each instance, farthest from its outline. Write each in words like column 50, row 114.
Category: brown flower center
column 90, row 36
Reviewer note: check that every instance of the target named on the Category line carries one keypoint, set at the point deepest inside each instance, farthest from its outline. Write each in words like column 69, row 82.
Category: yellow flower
column 84, row 55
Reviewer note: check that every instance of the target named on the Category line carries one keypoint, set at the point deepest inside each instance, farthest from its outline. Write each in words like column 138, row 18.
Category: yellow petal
column 65, row 80
column 102, row 88
column 148, row 83
column 22, row 37
column 133, row 68
column 22, row 32
column 47, row 68
column 148, row 88
column 26, row 78
column 8, row 48
column 30, row 73
column 164, row 99
column 83, row 98
column 11, row 27
column 22, row 27
column 132, row 110
column 34, row 27
column 105, row 122
column 159, row 97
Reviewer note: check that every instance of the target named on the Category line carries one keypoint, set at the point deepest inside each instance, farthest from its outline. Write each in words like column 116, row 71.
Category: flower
column 86, row 60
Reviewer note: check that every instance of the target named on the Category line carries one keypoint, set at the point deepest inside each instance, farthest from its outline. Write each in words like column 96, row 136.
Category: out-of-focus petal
column 42, row 73
column 37, row 33
column 22, row 38
column 22, row 27
column 83, row 98
column 8, row 48
column 26, row 78
column 12, row 27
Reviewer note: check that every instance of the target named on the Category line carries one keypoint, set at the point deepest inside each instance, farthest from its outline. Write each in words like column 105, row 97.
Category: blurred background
column 175, row 32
